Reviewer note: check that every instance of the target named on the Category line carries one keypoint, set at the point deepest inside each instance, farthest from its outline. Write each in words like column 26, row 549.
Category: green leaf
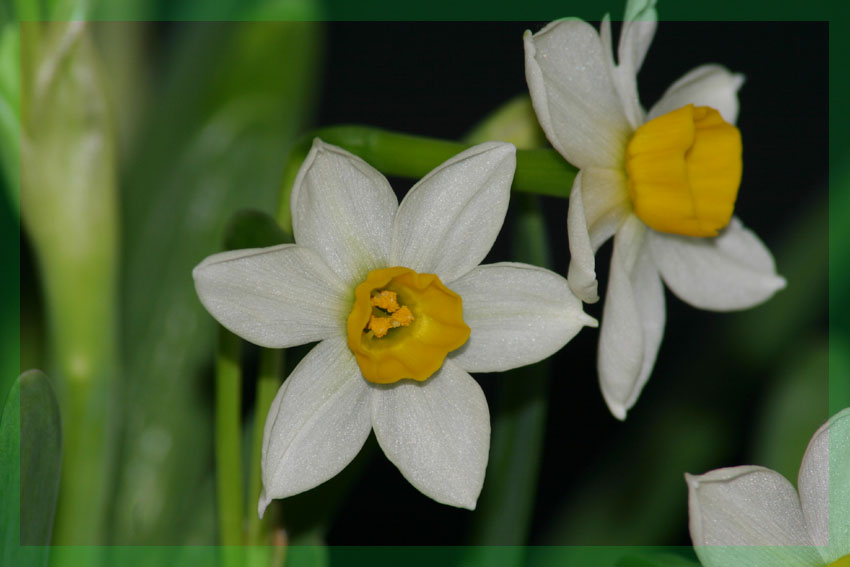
column 636, row 491
column 214, row 142
column 69, row 188
column 795, row 405
column 10, row 110
column 253, row 229
column 31, row 445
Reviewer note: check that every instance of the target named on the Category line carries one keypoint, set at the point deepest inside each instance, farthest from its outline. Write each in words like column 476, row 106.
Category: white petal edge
column 706, row 85
column 448, row 221
column 518, row 314
column 275, row 297
column 747, row 516
column 729, row 272
column 635, row 37
column 343, row 208
column 824, row 479
column 317, row 423
column 437, row 433
column 632, row 320
column 577, row 105
column 599, row 204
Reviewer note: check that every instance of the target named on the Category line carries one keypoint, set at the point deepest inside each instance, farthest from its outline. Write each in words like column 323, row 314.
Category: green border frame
column 838, row 16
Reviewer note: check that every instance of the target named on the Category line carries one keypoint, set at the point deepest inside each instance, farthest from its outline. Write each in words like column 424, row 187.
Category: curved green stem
column 539, row 171
column 228, row 426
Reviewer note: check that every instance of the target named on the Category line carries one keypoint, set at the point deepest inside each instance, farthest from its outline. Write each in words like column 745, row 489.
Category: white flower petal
column 518, row 314
column 317, row 423
column 706, row 85
column 632, row 320
column 731, row 271
column 437, row 433
column 599, row 204
column 747, row 516
column 577, row 105
column 824, row 479
column 636, row 35
column 448, row 221
column 343, row 208
column 275, row 297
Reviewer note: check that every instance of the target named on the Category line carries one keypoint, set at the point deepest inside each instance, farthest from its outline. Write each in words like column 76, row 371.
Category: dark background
column 440, row 79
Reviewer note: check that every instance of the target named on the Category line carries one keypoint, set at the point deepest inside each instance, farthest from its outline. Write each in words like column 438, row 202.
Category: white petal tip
column 617, row 410
column 587, row 293
column 589, row 321
column 263, row 503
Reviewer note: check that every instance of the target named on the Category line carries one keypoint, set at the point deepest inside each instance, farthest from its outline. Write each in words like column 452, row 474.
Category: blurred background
column 141, row 141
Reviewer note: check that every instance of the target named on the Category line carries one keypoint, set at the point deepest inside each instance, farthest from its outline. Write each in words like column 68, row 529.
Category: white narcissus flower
column 662, row 183
column 402, row 310
column 752, row 516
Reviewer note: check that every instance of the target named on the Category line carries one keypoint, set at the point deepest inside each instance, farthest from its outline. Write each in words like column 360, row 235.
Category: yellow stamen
column 684, row 171
column 424, row 323
column 843, row 562
column 403, row 317
column 386, row 300
column 380, row 326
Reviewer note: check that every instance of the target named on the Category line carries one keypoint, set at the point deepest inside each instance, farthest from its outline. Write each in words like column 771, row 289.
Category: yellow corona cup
column 403, row 324
column 684, row 170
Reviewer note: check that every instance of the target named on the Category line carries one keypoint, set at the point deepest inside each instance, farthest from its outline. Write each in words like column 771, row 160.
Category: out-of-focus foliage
column 69, row 211
column 218, row 127
column 31, row 445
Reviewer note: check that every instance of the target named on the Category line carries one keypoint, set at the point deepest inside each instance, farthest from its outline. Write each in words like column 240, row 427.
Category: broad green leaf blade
column 214, row 142
column 41, row 457
column 31, row 446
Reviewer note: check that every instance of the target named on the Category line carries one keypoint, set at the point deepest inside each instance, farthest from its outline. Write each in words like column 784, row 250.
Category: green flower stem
column 268, row 383
column 539, row 171
column 228, row 427
column 70, row 213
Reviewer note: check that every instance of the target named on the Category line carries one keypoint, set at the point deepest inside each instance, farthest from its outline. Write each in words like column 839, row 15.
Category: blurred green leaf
column 31, row 445
column 41, row 457
column 69, row 210
column 10, row 110
column 242, row 10
column 795, row 406
column 636, row 493
column 215, row 142
column 253, row 229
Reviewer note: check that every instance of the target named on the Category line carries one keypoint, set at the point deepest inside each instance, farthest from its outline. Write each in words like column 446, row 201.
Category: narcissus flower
column 662, row 183
column 752, row 516
column 403, row 312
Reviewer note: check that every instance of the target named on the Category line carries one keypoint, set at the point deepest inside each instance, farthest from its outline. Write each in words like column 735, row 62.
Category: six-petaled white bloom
column 752, row 517
column 402, row 310
column 662, row 183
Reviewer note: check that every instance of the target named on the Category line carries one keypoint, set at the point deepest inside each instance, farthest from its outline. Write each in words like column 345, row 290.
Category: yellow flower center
column 843, row 562
column 684, row 170
column 403, row 324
